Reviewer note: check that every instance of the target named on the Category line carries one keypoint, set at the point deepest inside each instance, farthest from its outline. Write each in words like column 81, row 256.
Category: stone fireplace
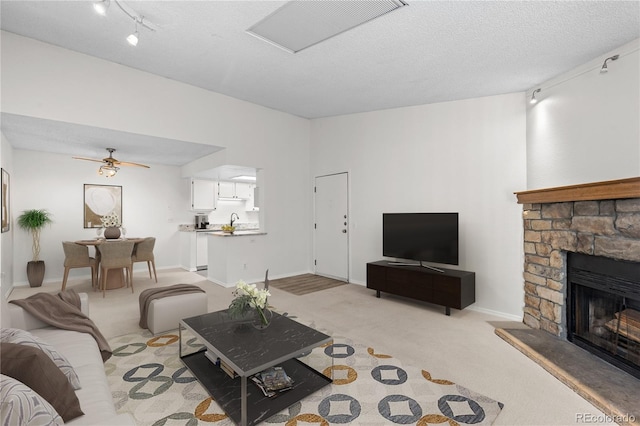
column 598, row 219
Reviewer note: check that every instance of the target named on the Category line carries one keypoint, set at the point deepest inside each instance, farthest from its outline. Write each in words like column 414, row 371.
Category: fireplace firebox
column 603, row 308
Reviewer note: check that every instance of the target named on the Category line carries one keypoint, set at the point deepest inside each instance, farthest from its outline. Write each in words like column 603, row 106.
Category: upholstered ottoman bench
column 161, row 309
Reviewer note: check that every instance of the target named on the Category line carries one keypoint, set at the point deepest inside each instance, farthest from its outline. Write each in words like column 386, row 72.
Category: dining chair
column 77, row 256
column 115, row 255
column 143, row 252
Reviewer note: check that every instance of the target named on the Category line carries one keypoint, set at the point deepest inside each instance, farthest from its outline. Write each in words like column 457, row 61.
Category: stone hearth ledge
column 615, row 392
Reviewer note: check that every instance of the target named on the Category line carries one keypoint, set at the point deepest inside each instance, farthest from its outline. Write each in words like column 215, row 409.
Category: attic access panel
column 301, row 24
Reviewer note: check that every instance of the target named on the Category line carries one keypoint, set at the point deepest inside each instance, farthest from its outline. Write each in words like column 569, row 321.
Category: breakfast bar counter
column 237, row 233
column 237, row 256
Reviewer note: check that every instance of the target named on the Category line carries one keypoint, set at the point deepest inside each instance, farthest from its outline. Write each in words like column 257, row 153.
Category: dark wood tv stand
column 450, row 288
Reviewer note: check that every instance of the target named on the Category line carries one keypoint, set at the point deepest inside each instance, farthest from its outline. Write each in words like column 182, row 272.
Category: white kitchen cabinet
column 226, row 189
column 203, row 195
column 244, row 191
column 234, row 190
column 188, row 251
column 252, row 202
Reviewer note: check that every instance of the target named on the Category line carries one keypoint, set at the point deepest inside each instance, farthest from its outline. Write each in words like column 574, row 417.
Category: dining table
column 114, row 280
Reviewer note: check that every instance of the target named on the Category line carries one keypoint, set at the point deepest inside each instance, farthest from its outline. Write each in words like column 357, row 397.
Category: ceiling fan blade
column 88, row 159
column 110, row 161
column 126, row 163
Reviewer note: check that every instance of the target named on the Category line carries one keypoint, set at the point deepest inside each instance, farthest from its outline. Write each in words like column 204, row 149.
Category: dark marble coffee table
column 247, row 351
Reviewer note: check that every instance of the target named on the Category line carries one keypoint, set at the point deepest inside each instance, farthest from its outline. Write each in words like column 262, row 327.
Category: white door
column 332, row 226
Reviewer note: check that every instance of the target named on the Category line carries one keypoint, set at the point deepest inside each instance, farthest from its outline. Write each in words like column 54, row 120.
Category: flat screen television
column 423, row 237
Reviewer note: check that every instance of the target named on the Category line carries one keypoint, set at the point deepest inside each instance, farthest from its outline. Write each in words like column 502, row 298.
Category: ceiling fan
column 110, row 165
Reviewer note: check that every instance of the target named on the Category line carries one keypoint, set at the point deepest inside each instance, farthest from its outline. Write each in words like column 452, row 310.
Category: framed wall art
column 6, row 210
column 99, row 201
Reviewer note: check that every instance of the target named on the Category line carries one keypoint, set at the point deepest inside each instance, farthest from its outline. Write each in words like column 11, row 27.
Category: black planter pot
column 35, row 272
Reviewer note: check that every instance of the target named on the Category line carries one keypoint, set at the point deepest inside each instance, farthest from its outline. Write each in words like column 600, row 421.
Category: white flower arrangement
column 249, row 296
column 111, row 220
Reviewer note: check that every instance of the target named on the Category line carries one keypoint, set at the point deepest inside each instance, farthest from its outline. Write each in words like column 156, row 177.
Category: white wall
column 6, row 238
column 133, row 101
column 586, row 126
column 465, row 156
column 153, row 203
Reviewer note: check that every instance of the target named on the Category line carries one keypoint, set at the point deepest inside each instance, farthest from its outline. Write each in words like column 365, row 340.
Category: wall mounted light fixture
column 604, row 65
column 533, row 99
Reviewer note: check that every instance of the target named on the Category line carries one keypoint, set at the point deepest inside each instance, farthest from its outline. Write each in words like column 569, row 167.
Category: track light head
column 604, row 68
column 533, row 99
column 101, row 7
column 133, row 38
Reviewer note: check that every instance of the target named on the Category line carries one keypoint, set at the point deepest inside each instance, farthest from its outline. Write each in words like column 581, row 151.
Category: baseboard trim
column 510, row 317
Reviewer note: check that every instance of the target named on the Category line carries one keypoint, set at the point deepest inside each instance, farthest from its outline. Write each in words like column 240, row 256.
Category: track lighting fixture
column 533, row 96
column 133, row 37
column 101, row 7
column 604, row 65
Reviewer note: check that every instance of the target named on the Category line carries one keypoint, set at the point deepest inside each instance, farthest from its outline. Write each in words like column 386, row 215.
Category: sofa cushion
column 22, row 337
column 82, row 352
column 22, row 406
column 35, row 369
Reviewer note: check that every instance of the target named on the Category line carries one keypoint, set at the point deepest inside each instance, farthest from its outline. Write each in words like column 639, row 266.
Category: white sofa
column 82, row 352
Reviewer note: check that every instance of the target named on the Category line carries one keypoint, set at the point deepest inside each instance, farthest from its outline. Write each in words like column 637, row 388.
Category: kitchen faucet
column 232, row 219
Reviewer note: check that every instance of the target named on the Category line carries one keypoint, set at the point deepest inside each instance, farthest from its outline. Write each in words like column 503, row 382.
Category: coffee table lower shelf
column 227, row 393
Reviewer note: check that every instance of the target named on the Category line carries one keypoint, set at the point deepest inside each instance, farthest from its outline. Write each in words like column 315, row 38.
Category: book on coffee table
column 220, row 363
column 272, row 380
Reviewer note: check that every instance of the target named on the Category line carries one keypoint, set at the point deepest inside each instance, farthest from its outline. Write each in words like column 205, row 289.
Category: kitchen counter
column 238, row 233
column 237, row 256
column 241, row 228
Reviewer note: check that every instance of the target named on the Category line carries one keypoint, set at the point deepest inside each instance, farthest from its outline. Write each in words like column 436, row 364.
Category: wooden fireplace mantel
column 606, row 190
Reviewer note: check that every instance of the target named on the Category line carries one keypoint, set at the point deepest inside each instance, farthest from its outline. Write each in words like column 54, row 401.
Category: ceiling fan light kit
column 108, row 171
column 109, row 168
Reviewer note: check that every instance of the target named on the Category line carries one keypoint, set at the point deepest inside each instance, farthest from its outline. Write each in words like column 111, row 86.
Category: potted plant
column 33, row 221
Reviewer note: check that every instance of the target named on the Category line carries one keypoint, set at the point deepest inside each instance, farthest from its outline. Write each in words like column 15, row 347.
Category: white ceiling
column 36, row 134
column 427, row 52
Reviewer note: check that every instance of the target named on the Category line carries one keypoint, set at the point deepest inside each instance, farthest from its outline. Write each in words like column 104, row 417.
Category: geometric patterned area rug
column 149, row 381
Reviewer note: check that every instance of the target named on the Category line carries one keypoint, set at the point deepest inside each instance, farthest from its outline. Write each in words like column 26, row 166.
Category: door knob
column 344, row 231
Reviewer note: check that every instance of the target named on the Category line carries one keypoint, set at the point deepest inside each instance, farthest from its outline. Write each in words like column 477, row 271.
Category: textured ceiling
column 427, row 52
column 36, row 134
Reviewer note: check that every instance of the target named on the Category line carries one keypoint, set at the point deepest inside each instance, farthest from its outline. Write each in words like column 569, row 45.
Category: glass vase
column 262, row 318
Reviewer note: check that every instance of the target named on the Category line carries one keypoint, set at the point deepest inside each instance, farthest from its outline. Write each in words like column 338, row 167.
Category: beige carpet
column 462, row 347
column 305, row 284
